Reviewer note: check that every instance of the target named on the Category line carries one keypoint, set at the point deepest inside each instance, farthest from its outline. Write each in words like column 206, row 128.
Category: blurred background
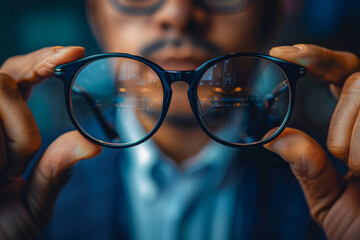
column 30, row 25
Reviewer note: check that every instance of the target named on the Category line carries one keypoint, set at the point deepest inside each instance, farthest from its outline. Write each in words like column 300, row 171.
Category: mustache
column 198, row 43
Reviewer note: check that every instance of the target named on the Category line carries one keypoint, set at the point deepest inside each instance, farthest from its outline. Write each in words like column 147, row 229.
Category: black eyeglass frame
column 68, row 73
column 122, row 8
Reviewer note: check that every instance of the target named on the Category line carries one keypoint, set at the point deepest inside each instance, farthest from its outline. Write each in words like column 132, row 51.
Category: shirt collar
column 156, row 170
column 153, row 169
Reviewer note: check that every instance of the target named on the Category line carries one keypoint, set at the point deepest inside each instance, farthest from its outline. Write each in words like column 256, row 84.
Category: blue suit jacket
column 94, row 204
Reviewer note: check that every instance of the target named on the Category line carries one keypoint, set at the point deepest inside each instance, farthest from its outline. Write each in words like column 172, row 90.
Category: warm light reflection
column 238, row 89
column 219, row 90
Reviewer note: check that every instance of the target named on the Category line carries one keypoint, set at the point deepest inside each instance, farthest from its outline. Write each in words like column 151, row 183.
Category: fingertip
column 65, row 152
column 292, row 138
column 281, row 50
column 53, row 57
column 57, row 48
column 302, row 152
column 302, row 54
column 300, row 46
column 83, row 148
column 64, row 55
column 69, row 49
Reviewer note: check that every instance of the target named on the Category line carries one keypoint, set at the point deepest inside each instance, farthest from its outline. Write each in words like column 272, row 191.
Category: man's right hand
column 26, row 207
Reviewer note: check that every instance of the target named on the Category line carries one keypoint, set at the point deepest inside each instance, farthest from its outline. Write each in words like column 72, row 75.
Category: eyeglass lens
column 241, row 99
column 119, row 100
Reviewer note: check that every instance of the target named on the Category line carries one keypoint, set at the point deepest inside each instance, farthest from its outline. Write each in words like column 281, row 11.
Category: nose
column 181, row 16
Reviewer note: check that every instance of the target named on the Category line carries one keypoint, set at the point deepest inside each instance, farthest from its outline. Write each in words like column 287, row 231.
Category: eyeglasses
column 121, row 100
column 147, row 7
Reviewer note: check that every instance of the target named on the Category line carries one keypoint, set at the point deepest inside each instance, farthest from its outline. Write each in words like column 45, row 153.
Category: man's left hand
column 334, row 200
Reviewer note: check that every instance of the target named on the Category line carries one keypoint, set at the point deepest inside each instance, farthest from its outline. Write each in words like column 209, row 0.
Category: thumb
column 317, row 176
column 52, row 172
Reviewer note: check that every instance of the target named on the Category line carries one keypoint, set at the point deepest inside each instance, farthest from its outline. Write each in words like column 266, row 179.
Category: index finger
column 324, row 64
column 32, row 68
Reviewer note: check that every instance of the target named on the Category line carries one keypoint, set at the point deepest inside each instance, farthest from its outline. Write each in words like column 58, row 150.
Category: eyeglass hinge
column 302, row 70
column 58, row 72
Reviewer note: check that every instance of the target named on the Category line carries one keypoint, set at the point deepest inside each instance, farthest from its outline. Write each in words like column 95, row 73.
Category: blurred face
column 177, row 35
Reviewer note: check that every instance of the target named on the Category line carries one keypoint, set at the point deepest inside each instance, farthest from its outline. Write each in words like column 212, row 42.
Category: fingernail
column 58, row 49
column 299, row 46
column 287, row 49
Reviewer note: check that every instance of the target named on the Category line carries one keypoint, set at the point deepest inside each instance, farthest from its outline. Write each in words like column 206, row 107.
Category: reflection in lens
column 117, row 100
column 242, row 98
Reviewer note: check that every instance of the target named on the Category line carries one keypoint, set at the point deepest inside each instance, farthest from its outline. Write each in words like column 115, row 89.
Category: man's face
column 178, row 35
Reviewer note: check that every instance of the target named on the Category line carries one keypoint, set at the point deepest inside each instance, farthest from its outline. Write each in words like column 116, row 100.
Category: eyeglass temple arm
column 108, row 127
column 270, row 99
column 280, row 88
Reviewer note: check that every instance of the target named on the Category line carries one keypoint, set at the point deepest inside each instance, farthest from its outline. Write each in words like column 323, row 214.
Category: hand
column 26, row 207
column 334, row 200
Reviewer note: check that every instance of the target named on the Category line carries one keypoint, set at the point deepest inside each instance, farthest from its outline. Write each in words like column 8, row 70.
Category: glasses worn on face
column 147, row 7
column 121, row 100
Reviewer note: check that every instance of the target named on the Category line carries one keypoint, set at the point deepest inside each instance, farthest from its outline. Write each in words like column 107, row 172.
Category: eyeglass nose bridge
column 179, row 76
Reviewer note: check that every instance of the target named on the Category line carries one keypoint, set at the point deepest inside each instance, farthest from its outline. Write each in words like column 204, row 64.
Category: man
column 218, row 193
